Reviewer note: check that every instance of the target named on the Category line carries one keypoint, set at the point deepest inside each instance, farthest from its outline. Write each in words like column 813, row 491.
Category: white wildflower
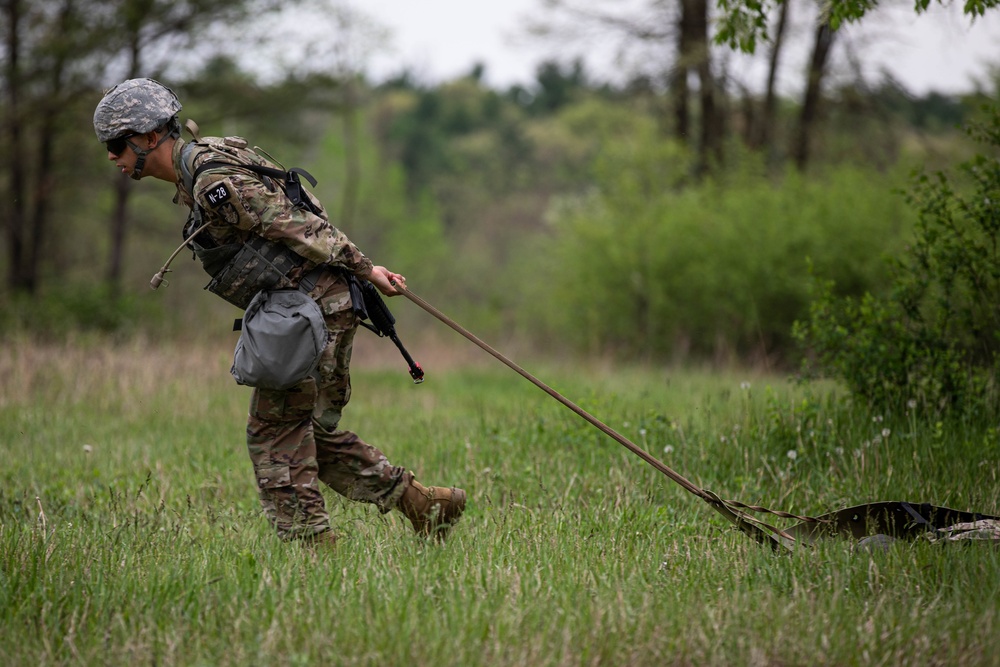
column 792, row 454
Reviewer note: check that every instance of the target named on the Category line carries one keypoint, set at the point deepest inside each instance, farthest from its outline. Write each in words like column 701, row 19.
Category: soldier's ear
column 151, row 139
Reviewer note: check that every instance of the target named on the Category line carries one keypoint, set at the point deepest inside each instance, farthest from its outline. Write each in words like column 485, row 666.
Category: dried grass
column 79, row 370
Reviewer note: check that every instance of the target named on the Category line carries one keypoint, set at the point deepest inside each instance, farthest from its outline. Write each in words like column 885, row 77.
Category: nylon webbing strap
column 292, row 186
column 308, row 281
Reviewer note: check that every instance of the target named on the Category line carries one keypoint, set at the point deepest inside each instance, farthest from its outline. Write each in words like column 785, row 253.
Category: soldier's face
column 125, row 158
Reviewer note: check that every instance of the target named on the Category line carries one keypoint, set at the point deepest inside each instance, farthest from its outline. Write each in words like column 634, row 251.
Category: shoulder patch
column 217, row 195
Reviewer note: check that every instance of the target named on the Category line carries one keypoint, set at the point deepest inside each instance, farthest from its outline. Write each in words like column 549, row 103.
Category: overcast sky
column 442, row 39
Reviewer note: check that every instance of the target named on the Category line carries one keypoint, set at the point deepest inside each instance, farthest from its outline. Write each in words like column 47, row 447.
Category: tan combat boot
column 325, row 541
column 432, row 510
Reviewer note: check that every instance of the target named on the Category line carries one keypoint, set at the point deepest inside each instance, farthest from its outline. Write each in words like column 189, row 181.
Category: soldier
column 293, row 434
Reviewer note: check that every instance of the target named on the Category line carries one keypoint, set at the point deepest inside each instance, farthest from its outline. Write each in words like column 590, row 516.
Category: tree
column 556, row 86
column 931, row 337
column 743, row 24
column 762, row 133
column 680, row 31
column 695, row 56
column 48, row 58
column 21, row 271
column 809, row 113
column 55, row 54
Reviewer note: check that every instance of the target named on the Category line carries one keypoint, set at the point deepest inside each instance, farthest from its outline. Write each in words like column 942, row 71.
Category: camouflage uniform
column 292, row 435
column 258, row 230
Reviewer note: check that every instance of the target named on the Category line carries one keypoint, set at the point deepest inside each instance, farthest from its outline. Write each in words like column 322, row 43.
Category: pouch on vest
column 258, row 265
column 281, row 341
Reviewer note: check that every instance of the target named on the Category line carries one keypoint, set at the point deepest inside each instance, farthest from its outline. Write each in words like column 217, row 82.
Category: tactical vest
column 240, row 270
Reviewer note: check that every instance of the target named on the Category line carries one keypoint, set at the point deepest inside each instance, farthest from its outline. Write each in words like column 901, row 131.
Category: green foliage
column 931, row 338
column 649, row 264
column 743, row 23
column 426, row 124
column 557, row 86
column 80, row 308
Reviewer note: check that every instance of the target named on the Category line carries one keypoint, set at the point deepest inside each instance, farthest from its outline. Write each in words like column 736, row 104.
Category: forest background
column 679, row 213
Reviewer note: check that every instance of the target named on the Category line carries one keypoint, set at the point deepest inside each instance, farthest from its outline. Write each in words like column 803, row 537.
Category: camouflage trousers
column 295, row 443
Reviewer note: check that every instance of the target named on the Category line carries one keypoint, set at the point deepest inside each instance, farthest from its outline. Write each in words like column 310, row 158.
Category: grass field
column 130, row 531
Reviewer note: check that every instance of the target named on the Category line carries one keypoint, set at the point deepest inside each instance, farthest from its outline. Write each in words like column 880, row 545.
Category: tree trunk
column 694, row 56
column 119, row 221
column 811, row 103
column 710, row 144
column 123, row 191
column 679, row 79
column 764, row 135
column 16, row 196
column 40, row 199
column 48, row 132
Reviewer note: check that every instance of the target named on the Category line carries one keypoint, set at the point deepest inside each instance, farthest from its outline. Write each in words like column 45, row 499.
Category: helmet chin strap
column 141, row 154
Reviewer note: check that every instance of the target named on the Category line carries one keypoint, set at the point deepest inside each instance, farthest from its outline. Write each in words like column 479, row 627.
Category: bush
column 650, row 264
column 933, row 336
column 78, row 308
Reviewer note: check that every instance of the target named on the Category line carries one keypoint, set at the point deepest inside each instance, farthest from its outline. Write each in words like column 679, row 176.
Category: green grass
column 130, row 532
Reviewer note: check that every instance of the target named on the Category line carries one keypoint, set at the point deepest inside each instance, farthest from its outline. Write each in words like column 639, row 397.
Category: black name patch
column 217, row 195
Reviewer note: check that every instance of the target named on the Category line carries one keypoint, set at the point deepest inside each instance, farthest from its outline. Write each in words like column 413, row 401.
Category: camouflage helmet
column 135, row 106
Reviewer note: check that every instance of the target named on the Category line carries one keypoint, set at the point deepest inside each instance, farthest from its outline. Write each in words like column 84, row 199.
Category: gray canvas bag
column 281, row 341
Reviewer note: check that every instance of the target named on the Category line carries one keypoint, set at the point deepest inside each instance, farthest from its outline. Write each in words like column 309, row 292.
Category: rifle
column 368, row 305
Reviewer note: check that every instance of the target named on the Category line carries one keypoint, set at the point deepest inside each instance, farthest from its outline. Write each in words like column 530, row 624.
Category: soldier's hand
column 383, row 279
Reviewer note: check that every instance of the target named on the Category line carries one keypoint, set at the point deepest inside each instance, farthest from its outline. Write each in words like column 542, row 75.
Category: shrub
column 650, row 264
column 932, row 336
column 75, row 308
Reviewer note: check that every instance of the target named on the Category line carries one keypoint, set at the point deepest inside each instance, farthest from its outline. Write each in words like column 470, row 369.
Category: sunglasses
column 117, row 146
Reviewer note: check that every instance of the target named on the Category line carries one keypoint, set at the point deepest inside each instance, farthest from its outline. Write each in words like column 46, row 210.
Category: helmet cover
column 135, row 106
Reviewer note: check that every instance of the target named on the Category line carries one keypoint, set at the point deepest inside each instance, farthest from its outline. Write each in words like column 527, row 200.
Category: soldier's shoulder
column 223, row 152
column 215, row 159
